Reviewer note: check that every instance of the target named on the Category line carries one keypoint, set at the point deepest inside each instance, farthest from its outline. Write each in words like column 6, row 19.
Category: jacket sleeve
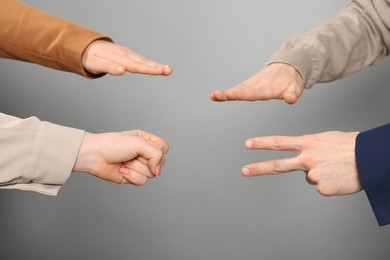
column 35, row 155
column 30, row 35
column 357, row 37
column 373, row 161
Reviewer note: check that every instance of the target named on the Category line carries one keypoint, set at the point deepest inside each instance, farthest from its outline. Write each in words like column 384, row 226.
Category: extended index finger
column 278, row 143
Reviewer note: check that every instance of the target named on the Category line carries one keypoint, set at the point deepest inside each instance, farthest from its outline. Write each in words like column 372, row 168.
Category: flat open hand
column 106, row 57
column 275, row 81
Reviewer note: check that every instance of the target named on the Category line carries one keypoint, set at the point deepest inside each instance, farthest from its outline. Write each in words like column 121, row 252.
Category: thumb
column 97, row 65
column 291, row 94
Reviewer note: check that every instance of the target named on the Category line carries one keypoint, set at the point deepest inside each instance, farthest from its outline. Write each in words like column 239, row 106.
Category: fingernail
column 158, row 170
column 249, row 143
column 120, row 69
column 245, row 171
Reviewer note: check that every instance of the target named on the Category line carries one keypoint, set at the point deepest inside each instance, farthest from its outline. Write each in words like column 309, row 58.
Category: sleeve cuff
column 303, row 58
column 373, row 162
column 82, row 71
column 54, row 155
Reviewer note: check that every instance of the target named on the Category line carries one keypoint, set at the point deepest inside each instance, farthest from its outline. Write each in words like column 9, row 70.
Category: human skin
column 126, row 157
column 122, row 157
column 327, row 158
column 275, row 81
column 106, row 57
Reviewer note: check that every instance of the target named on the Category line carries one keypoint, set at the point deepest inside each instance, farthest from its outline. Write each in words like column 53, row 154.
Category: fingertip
column 119, row 70
column 158, row 170
column 245, row 171
column 290, row 98
column 249, row 143
column 212, row 96
column 167, row 70
column 217, row 96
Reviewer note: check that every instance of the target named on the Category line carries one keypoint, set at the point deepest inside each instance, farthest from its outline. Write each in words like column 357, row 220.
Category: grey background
column 201, row 207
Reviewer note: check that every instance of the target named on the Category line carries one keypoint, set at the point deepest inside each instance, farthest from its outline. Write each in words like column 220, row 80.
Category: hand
column 106, row 57
column 327, row 158
column 276, row 81
column 123, row 158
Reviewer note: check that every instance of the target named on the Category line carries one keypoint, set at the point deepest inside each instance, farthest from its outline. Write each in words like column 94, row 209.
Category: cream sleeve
column 35, row 155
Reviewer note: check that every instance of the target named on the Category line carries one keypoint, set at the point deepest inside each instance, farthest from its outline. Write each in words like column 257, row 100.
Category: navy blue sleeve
column 373, row 163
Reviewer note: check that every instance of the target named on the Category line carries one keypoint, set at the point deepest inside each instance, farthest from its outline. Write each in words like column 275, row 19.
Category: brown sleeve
column 30, row 35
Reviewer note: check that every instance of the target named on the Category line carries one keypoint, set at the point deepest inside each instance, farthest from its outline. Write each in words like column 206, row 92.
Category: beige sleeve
column 35, row 155
column 357, row 37
column 30, row 35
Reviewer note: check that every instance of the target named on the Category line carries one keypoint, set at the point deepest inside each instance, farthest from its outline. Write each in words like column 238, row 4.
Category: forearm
column 355, row 38
column 35, row 155
column 31, row 35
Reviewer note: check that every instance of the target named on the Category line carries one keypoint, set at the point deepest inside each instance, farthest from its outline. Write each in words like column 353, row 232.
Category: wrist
column 290, row 69
column 88, row 154
column 89, row 54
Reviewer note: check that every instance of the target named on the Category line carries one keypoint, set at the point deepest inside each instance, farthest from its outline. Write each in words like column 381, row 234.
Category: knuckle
column 277, row 167
column 301, row 163
column 166, row 148
column 309, row 181
column 314, row 176
column 159, row 154
column 306, row 161
column 311, row 177
column 277, row 142
column 163, row 145
column 324, row 190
